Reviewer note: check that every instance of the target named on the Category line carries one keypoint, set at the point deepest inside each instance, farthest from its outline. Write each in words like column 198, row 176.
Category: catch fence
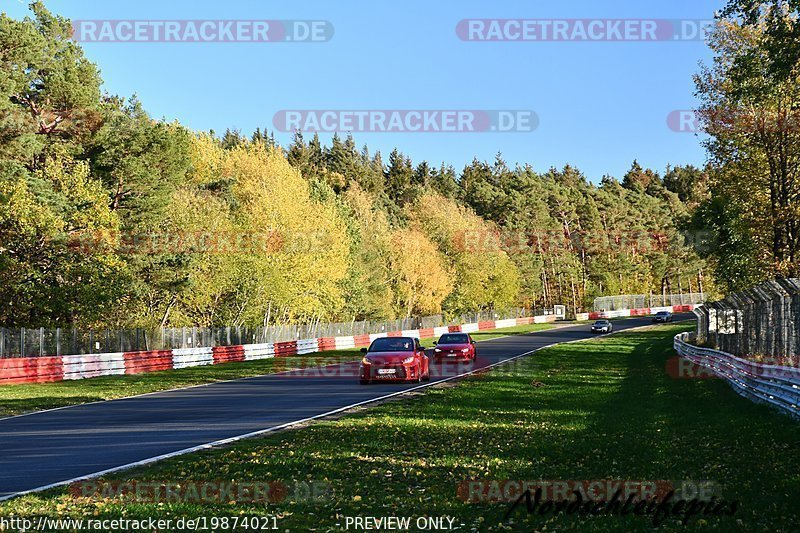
column 762, row 322
column 641, row 301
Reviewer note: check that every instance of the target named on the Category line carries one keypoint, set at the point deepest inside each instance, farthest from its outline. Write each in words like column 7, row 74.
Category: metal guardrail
column 775, row 385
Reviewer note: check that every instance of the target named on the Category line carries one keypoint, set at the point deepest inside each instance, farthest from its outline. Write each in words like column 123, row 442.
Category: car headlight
column 437, row 350
column 408, row 360
column 365, row 361
column 464, row 350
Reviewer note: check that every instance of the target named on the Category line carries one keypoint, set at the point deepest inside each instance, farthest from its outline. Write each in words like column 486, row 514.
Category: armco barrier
column 141, row 362
column 93, row 365
column 228, row 354
column 774, row 385
column 72, row 367
column 285, row 349
column 253, row 352
column 31, row 370
column 343, row 343
column 189, row 357
column 327, row 343
column 363, row 340
column 441, row 330
column 508, row 323
column 372, row 337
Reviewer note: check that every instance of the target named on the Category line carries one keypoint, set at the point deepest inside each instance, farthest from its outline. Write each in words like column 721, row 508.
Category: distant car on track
column 662, row 316
column 602, row 326
column 394, row 359
column 454, row 347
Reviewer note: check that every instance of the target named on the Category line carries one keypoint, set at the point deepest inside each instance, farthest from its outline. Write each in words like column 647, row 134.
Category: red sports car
column 394, row 359
column 454, row 347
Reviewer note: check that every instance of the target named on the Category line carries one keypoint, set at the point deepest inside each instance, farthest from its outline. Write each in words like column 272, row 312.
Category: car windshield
column 454, row 339
column 662, row 313
column 392, row 344
column 601, row 323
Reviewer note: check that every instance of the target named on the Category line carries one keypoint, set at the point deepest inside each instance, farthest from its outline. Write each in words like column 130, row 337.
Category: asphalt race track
column 52, row 447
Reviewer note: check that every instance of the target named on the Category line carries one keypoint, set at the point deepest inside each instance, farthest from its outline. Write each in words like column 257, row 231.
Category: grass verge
column 23, row 398
column 597, row 410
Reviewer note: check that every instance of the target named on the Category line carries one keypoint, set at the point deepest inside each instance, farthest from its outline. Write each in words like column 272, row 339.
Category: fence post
column 58, row 342
column 22, row 342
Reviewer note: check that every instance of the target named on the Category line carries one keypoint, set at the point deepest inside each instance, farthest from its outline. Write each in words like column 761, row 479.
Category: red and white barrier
column 72, row 367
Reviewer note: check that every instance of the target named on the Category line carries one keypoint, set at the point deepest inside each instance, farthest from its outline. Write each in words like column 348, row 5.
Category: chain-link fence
column 763, row 321
column 26, row 342
column 639, row 301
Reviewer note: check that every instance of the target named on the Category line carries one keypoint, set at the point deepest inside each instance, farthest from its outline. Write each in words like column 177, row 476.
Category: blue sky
column 600, row 104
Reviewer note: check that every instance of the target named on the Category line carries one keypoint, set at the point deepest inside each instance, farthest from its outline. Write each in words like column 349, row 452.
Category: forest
column 112, row 218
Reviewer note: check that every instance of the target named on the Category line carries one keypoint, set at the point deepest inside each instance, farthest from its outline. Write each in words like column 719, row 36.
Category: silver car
column 602, row 326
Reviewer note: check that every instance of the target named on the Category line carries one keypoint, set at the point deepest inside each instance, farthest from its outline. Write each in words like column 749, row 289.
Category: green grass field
column 17, row 399
column 596, row 410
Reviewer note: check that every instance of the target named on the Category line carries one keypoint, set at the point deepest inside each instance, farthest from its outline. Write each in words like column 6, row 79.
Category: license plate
column 451, row 354
column 386, row 371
